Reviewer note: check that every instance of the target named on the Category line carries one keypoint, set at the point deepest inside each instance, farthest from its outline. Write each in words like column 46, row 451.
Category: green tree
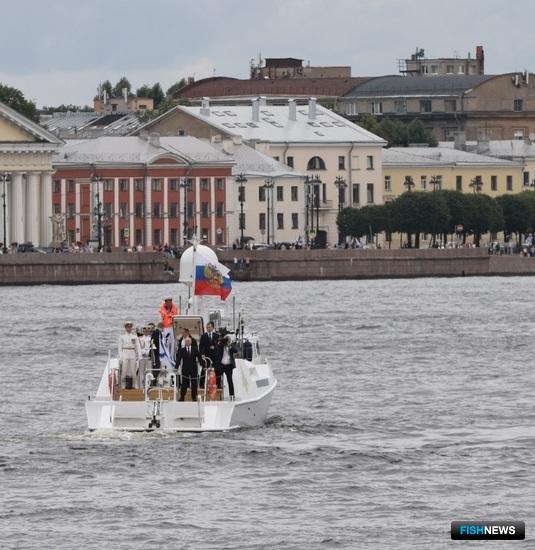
column 175, row 87
column 157, row 94
column 123, row 82
column 518, row 213
column 15, row 99
column 396, row 132
column 106, row 87
column 144, row 91
column 483, row 214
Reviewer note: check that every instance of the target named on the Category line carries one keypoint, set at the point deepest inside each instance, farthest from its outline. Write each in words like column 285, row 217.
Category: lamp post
column 184, row 185
column 340, row 182
column 312, row 199
column 268, row 186
column 4, row 178
column 435, row 181
column 241, row 179
column 409, row 183
column 476, row 184
column 97, row 209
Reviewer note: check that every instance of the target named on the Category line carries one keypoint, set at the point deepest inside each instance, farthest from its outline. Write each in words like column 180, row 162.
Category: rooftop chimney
column 256, row 109
column 292, row 110
column 154, row 139
column 205, row 106
column 312, row 108
column 228, row 146
column 459, row 141
column 263, row 101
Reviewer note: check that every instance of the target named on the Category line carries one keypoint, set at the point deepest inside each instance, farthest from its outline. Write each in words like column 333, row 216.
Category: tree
column 144, row 91
column 106, row 87
column 482, row 214
column 157, row 94
column 15, row 99
column 175, row 87
column 118, row 88
column 396, row 132
column 518, row 214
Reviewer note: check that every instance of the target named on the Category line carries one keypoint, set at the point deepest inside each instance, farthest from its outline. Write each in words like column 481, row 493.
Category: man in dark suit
column 208, row 348
column 226, row 363
column 186, row 360
column 155, row 338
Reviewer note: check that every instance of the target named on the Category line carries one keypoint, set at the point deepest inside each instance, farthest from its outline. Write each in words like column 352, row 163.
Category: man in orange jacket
column 167, row 311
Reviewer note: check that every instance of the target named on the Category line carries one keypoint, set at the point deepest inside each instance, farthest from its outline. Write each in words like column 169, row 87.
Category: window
column 262, row 194
column 220, row 184
column 70, row 186
column 262, row 221
column 242, row 221
column 509, row 183
column 205, row 184
column 450, row 69
column 57, row 186
column 341, row 162
column 459, row 183
column 181, row 133
column 316, row 163
column 434, row 69
column 204, row 210
column 139, row 210
column 280, row 220
column 241, row 193
column 290, row 161
column 369, row 162
column 123, row 185
column 57, row 208
column 108, row 185
column 220, row 237
column 295, row 221
column 376, row 107
column 423, row 183
column 71, row 210
column 462, row 69
column 220, row 209
column 438, row 186
column 450, row 105
column 173, row 211
column 295, row 193
column 191, row 183
column 123, row 208
column 156, row 210
column 526, row 178
column 369, row 195
column 107, row 209
column 190, row 210
column 388, row 183
column 494, row 183
column 139, row 185
column 425, row 69
column 280, row 193
column 174, row 237
column 157, row 236
column 425, row 106
column 518, row 105
column 139, row 237
column 356, row 193
column 173, row 184
column 400, row 106
column 156, row 184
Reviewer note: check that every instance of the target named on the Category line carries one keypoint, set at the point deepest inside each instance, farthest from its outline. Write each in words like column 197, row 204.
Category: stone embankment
column 261, row 265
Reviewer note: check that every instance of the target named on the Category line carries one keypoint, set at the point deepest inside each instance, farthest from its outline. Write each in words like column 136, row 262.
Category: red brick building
column 140, row 184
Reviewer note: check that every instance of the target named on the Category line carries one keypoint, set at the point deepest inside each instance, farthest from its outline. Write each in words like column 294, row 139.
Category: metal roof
column 430, row 85
column 90, row 124
column 439, row 156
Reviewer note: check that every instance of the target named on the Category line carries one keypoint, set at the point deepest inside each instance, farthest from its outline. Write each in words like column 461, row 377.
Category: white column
column 6, row 188
column 46, row 208
column 17, row 208
column 77, row 224
column 180, row 213
column 166, row 211
column 33, row 198
column 212, row 211
column 116, row 233
column 197, row 187
column 148, row 212
column 64, row 197
column 132, row 211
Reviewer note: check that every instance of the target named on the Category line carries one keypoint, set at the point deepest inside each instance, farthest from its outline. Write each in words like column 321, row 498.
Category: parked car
column 26, row 247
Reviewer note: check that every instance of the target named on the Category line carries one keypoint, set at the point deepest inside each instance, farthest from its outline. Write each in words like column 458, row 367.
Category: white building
column 273, row 196
column 309, row 138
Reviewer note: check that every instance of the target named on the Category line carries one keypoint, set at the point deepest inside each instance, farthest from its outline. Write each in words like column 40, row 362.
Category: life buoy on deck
column 212, row 385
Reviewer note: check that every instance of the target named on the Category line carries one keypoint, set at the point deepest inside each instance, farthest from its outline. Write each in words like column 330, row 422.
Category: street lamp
column 476, row 184
column 268, row 186
column 340, row 182
column 435, row 182
column 184, row 185
column 97, row 209
column 241, row 179
column 4, row 178
column 312, row 199
column 409, row 183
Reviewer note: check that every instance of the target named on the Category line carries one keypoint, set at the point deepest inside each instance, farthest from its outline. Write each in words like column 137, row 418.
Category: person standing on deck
column 145, row 363
column 187, row 359
column 129, row 352
column 208, row 347
column 167, row 311
column 155, row 339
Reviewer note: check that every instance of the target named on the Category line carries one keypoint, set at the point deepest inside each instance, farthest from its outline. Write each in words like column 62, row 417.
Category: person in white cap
column 129, row 352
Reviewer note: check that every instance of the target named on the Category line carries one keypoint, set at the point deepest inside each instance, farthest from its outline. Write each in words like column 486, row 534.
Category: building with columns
column 138, row 185
column 26, row 152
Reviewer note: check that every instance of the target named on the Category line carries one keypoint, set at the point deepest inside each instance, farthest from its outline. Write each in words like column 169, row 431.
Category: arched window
column 316, row 163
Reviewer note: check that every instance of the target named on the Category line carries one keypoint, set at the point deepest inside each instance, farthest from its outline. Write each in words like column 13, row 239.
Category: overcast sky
column 57, row 51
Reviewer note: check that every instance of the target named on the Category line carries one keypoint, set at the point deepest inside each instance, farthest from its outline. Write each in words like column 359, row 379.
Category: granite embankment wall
column 261, row 265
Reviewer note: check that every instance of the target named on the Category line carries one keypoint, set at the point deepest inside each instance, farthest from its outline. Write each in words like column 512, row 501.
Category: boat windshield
column 194, row 323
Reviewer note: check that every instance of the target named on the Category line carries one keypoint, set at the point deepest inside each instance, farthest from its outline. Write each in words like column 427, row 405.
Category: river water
column 402, row 405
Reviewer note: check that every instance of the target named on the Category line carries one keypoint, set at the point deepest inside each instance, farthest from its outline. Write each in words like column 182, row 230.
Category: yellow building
column 454, row 170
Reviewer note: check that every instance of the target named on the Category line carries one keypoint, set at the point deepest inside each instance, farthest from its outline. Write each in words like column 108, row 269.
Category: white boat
column 157, row 408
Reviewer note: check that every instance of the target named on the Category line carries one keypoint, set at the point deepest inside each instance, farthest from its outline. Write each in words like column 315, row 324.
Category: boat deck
column 167, row 394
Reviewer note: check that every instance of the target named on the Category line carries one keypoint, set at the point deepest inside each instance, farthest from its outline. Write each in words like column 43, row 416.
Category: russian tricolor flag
column 211, row 277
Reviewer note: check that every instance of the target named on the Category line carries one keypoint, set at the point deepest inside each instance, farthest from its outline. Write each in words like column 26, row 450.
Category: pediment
column 11, row 133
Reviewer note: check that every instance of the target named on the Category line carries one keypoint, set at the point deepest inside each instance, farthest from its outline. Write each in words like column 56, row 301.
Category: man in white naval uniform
column 129, row 351
column 145, row 363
